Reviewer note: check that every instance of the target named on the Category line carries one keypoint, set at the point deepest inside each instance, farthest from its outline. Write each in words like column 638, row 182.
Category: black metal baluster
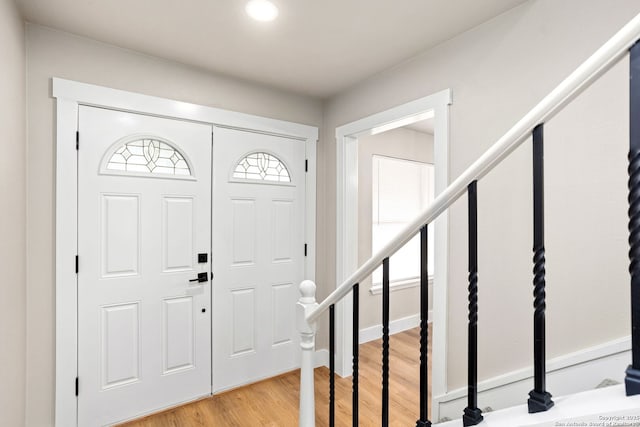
column 539, row 398
column 385, row 342
column 332, row 366
column 424, row 330
column 632, row 378
column 472, row 414
column 356, row 352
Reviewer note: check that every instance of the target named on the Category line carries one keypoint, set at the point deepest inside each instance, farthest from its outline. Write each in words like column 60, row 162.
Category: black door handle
column 202, row 277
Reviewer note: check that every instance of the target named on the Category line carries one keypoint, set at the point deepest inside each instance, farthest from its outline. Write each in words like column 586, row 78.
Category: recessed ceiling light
column 262, row 10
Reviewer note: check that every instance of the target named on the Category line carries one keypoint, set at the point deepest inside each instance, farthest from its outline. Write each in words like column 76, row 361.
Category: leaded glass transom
column 148, row 155
column 262, row 166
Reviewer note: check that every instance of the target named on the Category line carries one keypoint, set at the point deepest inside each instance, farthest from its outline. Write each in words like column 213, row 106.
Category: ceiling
column 315, row 48
column 423, row 126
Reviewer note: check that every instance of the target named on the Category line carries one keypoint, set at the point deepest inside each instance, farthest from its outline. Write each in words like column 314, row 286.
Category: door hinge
column 306, row 165
column 77, row 140
column 77, row 386
column 305, row 249
column 76, row 264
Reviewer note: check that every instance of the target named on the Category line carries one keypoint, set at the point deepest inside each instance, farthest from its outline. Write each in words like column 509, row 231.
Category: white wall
column 52, row 53
column 12, row 215
column 497, row 72
column 403, row 144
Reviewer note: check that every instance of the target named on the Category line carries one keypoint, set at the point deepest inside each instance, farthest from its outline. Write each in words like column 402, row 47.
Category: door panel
column 120, row 235
column 120, row 333
column 144, row 330
column 258, row 229
column 178, row 334
column 177, row 233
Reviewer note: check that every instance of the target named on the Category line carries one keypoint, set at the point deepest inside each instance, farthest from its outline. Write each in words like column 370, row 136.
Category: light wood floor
column 274, row 402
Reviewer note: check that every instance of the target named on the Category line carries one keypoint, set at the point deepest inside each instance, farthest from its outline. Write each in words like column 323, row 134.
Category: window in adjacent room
column 401, row 189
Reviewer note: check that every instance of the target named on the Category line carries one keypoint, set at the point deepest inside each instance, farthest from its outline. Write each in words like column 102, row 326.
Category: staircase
column 539, row 409
column 589, row 408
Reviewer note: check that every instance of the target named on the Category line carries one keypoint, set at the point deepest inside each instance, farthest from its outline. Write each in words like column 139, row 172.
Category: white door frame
column 347, row 224
column 69, row 96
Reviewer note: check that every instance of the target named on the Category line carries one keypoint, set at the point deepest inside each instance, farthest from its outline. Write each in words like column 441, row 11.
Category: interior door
column 258, row 246
column 143, row 284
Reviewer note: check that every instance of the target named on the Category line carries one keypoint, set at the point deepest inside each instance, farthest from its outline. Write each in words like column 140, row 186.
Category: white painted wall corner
column 321, row 358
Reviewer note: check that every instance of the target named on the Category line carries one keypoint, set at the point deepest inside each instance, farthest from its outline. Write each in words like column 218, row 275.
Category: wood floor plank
column 274, row 402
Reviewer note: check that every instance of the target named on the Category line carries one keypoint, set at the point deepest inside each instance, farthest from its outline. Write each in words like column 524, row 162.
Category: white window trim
column 347, row 224
column 69, row 96
column 398, row 285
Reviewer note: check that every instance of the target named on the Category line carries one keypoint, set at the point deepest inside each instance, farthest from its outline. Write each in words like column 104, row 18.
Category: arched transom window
column 262, row 167
column 148, row 155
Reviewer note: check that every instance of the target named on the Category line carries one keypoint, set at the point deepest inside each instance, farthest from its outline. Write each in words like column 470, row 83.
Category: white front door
column 258, row 243
column 144, row 208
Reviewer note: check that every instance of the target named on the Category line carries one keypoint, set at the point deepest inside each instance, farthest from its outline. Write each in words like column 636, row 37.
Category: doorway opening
column 424, row 122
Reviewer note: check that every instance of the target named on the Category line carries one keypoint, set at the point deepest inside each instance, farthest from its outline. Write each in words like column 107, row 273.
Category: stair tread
column 584, row 407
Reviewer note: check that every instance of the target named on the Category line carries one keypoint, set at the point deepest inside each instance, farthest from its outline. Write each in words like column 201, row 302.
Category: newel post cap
column 307, row 292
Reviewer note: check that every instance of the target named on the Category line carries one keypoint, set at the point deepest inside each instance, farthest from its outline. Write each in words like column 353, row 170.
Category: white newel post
column 305, row 305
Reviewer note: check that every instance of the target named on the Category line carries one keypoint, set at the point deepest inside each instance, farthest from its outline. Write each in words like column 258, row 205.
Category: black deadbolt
column 203, row 258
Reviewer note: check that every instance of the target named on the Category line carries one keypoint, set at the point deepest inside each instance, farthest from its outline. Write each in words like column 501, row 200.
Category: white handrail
column 597, row 64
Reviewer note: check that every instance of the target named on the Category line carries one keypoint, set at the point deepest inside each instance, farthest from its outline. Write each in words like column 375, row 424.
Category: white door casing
column 258, row 242
column 144, row 329
column 347, row 221
column 70, row 96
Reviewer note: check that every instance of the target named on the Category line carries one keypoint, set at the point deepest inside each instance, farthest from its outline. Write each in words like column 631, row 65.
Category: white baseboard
column 608, row 406
column 568, row 374
column 321, row 358
column 395, row 326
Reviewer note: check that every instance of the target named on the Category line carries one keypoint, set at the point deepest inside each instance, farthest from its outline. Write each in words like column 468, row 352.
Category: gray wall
column 497, row 72
column 56, row 54
column 12, row 216
column 403, row 144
